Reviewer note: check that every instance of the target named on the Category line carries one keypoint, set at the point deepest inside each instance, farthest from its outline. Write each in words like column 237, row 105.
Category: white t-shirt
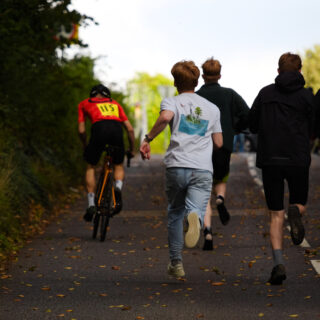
column 195, row 120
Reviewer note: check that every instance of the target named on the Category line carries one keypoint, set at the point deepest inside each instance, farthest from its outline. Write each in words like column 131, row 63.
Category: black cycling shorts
column 102, row 133
column 221, row 164
column 273, row 182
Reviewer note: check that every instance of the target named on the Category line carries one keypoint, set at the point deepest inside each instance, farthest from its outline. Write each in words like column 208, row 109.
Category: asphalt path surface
column 64, row 273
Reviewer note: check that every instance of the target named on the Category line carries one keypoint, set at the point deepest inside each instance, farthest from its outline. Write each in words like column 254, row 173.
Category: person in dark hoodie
column 282, row 116
column 234, row 118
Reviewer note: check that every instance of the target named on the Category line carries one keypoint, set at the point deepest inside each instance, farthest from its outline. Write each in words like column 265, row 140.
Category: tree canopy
column 145, row 98
column 311, row 68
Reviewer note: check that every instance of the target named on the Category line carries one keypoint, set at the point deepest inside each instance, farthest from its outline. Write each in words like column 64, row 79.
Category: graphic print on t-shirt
column 108, row 109
column 192, row 124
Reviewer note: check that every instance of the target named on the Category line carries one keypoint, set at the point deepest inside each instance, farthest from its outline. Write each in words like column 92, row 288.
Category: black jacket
column 283, row 115
column 317, row 119
column 233, row 110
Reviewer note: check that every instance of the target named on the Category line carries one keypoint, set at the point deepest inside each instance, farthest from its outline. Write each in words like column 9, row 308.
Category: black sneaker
column 296, row 226
column 208, row 243
column 278, row 274
column 223, row 212
column 88, row 216
column 118, row 206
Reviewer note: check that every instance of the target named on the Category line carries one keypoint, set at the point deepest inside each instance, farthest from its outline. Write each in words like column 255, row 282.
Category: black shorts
column 273, row 183
column 221, row 164
column 102, row 133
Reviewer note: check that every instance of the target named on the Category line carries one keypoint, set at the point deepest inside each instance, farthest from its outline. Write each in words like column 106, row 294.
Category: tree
column 144, row 98
column 311, row 68
column 40, row 155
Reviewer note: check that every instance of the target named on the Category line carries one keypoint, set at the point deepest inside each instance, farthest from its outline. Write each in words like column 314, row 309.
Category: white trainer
column 176, row 271
column 193, row 234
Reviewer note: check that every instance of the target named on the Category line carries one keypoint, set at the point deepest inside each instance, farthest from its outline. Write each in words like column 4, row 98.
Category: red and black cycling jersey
column 98, row 109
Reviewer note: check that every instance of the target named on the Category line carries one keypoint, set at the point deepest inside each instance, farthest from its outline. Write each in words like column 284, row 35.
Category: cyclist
column 107, row 118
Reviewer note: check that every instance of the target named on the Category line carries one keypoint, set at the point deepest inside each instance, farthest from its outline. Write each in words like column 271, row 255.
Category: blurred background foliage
column 311, row 68
column 143, row 95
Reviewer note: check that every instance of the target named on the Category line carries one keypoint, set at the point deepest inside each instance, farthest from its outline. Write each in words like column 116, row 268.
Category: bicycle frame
column 107, row 168
column 104, row 201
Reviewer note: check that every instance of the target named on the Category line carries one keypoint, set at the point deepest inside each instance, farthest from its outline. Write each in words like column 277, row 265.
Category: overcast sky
column 246, row 36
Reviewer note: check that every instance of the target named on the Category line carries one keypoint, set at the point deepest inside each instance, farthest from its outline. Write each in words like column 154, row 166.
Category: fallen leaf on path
column 125, row 308
column 217, row 284
column 45, row 288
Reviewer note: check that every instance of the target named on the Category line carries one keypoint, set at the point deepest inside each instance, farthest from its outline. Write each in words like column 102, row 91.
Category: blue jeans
column 188, row 190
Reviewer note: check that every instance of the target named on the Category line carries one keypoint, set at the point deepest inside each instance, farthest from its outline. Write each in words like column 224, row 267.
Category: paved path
column 65, row 274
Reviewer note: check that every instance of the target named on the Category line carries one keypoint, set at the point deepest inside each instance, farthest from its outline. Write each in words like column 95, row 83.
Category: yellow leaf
column 60, row 295
column 261, row 315
column 293, row 315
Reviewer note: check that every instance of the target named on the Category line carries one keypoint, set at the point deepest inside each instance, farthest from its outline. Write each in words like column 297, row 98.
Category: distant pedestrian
column 238, row 142
column 234, row 118
column 282, row 116
column 195, row 128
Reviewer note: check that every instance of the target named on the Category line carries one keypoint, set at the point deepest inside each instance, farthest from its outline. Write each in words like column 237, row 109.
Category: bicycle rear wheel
column 106, row 205
column 95, row 225
column 96, row 218
column 104, row 226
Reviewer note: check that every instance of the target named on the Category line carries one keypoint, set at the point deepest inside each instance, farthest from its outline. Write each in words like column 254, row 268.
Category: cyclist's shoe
column 89, row 213
column 208, row 241
column 296, row 226
column 223, row 212
column 278, row 274
column 118, row 206
column 176, row 270
column 192, row 235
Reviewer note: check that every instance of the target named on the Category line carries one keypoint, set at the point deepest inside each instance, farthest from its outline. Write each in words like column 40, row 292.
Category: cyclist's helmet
column 100, row 88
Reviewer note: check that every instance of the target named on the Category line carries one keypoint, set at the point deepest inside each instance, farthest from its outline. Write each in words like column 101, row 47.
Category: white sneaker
column 193, row 234
column 176, row 271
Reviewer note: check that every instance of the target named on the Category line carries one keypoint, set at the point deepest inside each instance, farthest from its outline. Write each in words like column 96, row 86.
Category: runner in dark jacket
column 234, row 118
column 282, row 115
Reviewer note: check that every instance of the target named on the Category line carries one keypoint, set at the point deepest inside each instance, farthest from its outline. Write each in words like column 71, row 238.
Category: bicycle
column 105, row 200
